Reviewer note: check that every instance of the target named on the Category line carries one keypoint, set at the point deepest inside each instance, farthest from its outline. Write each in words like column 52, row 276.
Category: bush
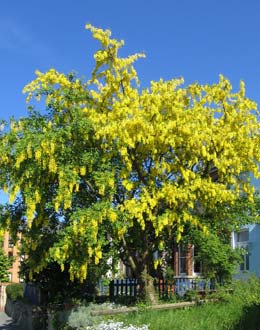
column 15, row 291
column 80, row 317
column 191, row 295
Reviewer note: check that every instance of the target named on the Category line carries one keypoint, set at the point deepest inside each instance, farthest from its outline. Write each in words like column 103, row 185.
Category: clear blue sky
column 194, row 39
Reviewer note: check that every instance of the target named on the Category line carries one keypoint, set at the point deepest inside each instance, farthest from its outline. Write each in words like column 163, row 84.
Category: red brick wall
column 189, row 261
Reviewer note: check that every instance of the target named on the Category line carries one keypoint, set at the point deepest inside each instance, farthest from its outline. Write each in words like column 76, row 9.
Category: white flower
column 116, row 326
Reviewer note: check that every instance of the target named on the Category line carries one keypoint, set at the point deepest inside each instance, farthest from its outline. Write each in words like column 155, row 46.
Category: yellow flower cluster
column 20, row 158
column 43, row 80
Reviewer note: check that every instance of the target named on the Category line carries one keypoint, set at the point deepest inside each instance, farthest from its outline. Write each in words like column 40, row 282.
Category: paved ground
column 6, row 323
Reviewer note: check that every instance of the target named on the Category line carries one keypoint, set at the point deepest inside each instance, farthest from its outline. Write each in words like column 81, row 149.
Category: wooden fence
column 124, row 287
column 164, row 288
column 33, row 294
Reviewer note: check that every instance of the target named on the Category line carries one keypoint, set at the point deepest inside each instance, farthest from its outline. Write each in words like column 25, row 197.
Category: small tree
column 218, row 258
column 5, row 265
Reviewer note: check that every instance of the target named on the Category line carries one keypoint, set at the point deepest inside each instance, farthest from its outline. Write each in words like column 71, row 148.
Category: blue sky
column 194, row 39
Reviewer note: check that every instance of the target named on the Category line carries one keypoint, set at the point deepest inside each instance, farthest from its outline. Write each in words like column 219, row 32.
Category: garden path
column 6, row 323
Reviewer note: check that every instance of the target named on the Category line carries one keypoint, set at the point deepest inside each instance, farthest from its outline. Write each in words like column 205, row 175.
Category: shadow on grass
column 250, row 319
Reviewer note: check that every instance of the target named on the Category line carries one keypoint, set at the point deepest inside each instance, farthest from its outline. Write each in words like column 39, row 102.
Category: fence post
column 131, row 287
column 135, row 287
column 122, row 287
column 111, row 290
column 117, row 287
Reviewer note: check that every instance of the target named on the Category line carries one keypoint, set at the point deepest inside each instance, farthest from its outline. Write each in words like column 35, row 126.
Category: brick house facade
column 184, row 261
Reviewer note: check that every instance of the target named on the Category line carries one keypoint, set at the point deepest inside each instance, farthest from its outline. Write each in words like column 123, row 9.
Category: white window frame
column 193, row 263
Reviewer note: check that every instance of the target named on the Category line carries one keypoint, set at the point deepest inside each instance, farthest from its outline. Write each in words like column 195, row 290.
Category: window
column 244, row 266
column 10, row 255
column 182, row 260
column 243, row 236
column 197, row 264
column 10, row 243
column 242, row 239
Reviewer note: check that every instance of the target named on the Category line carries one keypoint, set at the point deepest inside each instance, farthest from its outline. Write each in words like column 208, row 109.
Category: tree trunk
column 141, row 263
column 147, row 289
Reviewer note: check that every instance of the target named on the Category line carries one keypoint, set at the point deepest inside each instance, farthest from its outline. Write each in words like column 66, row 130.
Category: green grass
column 238, row 311
column 197, row 318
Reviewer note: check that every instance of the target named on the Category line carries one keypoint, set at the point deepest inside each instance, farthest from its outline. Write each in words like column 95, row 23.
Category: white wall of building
column 253, row 244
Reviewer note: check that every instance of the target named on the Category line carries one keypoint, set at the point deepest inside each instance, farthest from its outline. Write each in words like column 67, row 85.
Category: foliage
column 219, row 260
column 111, row 167
column 5, row 261
column 241, row 213
column 246, row 212
column 15, row 291
column 56, row 286
column 80, row 317
column 191, row 295
column 5, row 265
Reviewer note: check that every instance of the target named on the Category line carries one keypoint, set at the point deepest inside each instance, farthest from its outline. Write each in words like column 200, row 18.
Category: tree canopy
column 111, row 165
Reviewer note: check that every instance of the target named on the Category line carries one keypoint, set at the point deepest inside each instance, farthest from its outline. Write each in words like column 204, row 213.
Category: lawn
column 208, row 317
column 237, row 311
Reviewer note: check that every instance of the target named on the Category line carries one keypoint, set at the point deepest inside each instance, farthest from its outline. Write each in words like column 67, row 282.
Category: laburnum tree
column 111, row 165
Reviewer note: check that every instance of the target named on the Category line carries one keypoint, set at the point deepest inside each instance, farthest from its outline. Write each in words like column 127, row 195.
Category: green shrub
column 15, row 291
column 191, row 295
column 80, row 316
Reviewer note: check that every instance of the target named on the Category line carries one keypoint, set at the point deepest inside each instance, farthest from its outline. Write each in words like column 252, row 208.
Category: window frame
column 243, row 243
column 182, row 260
column 194, row 261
